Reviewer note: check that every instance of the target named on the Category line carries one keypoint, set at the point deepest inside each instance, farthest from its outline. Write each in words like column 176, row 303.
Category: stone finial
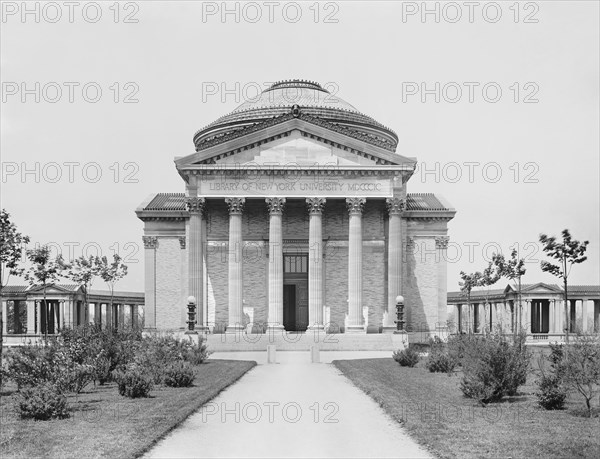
column 395, row 205
column 275, row 205
column 355, row 205
column 182, row 242
column 150, row 242
column 194, row 204
column 236, row 205
column 441, row 242
column 315, row 205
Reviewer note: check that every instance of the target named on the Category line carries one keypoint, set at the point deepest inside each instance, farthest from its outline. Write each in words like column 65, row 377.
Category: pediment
column 297, row 150
column 295, row 141
column 53, row 290
column 540, row 287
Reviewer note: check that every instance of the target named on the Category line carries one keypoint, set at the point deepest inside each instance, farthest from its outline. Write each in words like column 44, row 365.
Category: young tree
column 11, row 252
column 111, row 273
column 467, row 283
column 581, row 367
column 489, row 277
column 82, row 271
column 513, row 270
column 44, row 271
column 567, row 253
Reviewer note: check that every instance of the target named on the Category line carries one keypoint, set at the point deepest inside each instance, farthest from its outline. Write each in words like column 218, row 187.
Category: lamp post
column 400, row 315
column 191, row 316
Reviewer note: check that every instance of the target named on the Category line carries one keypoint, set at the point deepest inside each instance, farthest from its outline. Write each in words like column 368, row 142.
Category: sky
column 499, row 104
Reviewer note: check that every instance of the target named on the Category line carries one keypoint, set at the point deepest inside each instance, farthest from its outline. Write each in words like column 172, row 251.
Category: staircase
column 293, row 341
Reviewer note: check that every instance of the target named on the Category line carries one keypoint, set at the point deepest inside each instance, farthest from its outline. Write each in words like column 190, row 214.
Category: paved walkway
column 291, row 409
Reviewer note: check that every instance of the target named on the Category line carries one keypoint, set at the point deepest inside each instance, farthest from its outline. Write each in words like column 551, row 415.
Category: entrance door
column 295, row 292
column 289, row 307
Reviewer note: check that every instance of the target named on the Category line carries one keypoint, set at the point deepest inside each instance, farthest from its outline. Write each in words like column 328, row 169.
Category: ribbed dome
column 312, row 99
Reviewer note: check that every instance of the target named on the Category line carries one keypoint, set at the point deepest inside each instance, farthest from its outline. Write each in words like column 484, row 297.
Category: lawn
column 434, row 412
column 105, row 424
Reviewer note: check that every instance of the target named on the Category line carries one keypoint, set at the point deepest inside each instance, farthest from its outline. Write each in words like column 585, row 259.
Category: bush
column 551, row 392
column 407, row 357
column 493, row 367
column 29, row 366
column 42, row 402
column 179, row 374
column 439, row 360
column 133, row 382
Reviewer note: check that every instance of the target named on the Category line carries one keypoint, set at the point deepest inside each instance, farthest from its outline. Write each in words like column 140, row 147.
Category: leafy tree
column 11, row 252
column 111, row 273
column 82, row 271
column 44, row 271
column 513, row 270
column 579, row 367
column 467, row 283
column 567, row 253
column 489, row 277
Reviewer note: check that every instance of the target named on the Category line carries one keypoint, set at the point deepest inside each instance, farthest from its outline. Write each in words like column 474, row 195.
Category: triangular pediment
column 540, row 287
column 297, row 150
column 54, row 289
column 298, row 141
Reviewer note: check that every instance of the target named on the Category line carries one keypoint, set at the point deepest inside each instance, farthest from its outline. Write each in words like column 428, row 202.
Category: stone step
column 303, row 342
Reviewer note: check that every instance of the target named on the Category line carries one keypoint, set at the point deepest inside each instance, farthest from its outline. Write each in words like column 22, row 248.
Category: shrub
column 133, row 382
column 194, row 353
column 579, row 366
column 42, row 402
column 29, row 366
column 493, row 367
column 551, row 392
column 407, row 357
column 179, row 374
column 439, row 360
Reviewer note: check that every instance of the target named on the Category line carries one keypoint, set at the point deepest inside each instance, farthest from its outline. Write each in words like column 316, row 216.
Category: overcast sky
column 533, row 149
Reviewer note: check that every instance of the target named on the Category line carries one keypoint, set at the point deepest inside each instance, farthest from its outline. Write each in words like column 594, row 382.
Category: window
column 295, row 264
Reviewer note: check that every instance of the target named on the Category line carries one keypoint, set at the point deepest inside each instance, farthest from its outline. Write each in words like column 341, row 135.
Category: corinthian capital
column 441, row 242
column 275, row 205
column 315, row 205
column 355, row 205
column 194, row 204
column 395, row 205
column 150, row 242
column 236, row 205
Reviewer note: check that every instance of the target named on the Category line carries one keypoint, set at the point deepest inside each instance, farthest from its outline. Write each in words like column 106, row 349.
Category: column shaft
column 395, row 207
column 196, row 208
column 150, row 247
column 275, row 318
column 315, row 266
column 355, row 314
column 235, row 264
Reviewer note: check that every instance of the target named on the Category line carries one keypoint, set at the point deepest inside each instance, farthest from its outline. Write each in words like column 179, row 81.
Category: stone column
column 441, row 245
column 195, row 207
column 5, row 317
column 395, row 206
column 236, row 206
column 552, row 317
column 355, row 322
column 150, row 246
column 590, row 316
column 315, row 263
column 30, row 317
column 38, row 322
column 584, row 321
column 61, row 315
column 526, row 316
column 134, row 316
column 275, row 206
